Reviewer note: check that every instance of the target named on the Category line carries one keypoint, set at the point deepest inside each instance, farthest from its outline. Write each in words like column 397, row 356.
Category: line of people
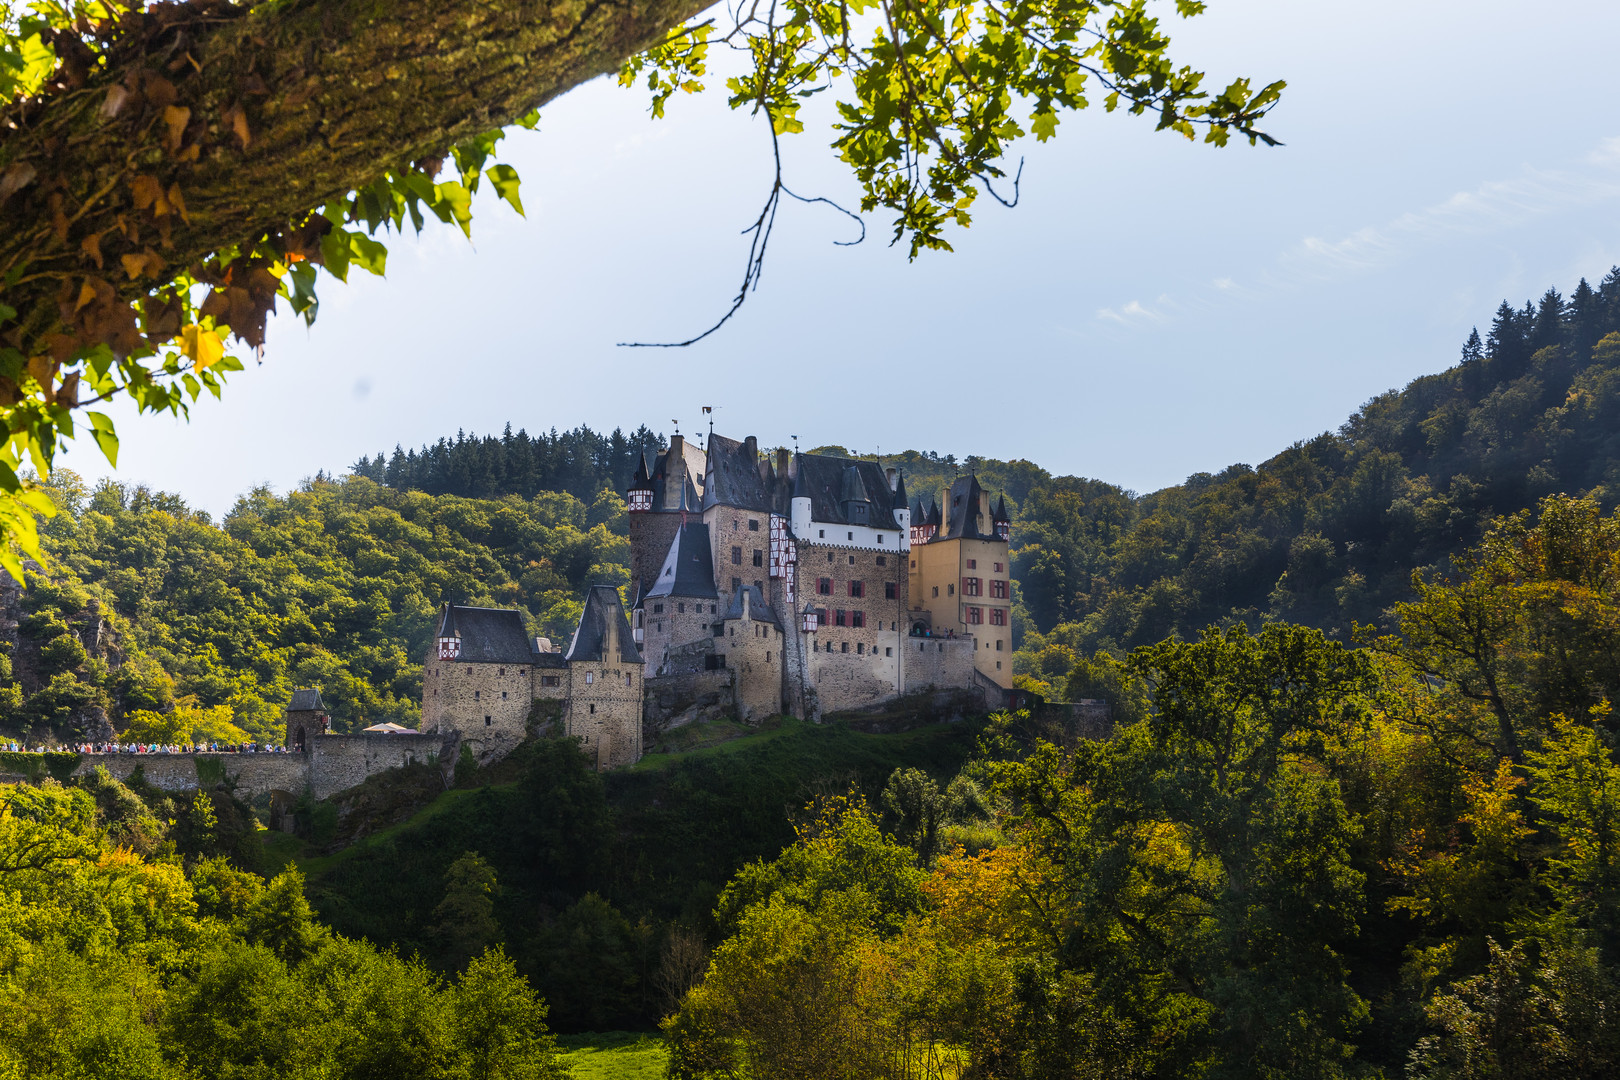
column 146, row 748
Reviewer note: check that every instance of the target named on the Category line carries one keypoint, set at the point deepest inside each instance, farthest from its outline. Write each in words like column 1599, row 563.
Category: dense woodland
column 1353, row 821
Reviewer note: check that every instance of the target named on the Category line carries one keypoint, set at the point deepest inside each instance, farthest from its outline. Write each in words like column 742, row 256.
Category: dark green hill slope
column 1329, row 531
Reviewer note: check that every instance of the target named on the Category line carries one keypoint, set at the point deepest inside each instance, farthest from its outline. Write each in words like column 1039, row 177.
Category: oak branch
column 209, row 123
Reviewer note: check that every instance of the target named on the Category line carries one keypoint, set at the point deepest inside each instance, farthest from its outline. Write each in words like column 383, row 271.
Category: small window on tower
column 486, row 721
column 823, row 534
column 759, row 557
column 680, row 609
column 500, row 671
column 658, row 609
column 503, row 695
column 593, row 709
column 753, row 525
column 936, row 592
column 890, row 590
column 852, row 560
column 590, row 677
column 736, row 556
column 950, row 590
column 475, row 695
column 882, row 560
column 860, row 648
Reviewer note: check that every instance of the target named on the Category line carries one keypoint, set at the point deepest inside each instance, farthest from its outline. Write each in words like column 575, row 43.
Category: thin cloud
column 1132, row 313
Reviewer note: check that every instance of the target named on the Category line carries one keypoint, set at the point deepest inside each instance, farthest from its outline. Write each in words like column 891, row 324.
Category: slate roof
column 306, row 701
column 688, row 569
column 824, row 480
column 734, row 475
column 1000, row 512
column 899, row 500
column 664, row 470
column 488, row 635
column 758, row 609
column 602, row 609
column 965, row 518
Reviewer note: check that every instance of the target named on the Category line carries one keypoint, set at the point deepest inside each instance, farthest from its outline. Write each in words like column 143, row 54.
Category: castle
column 782, row 583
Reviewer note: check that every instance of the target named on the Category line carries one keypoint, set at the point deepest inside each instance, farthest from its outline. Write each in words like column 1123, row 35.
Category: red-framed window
column 971, row 585
column 998, row 616
column 998, row 568
column 998, row 588
column 973, row 564
column 821, row 617
column 857, row 589
column 857, row 618
column 975, row 616
column 840, row 617
column 824, row 586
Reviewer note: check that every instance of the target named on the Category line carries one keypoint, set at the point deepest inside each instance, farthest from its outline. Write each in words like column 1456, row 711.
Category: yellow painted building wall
column 937, row 571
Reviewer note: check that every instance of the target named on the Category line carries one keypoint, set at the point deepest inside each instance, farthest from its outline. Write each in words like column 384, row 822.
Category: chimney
column 782, row 460
column 892, row 475
column 751, row 448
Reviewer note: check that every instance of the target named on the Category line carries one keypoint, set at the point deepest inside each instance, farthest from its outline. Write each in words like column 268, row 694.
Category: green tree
column 464, row 922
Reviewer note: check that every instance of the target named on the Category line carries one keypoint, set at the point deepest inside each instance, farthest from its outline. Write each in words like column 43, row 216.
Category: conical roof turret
column 899, row 501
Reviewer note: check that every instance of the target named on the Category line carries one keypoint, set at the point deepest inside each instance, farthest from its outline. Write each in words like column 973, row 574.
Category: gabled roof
column 685, row 469
column 758, row 609
column 688, row 568
column 306, row 701
column 824, row 480
column 734, row 475
column 488, row 635
column 602, row 620
column 964, row 513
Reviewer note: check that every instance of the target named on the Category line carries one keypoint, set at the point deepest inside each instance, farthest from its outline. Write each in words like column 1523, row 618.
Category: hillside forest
column 1359, row 815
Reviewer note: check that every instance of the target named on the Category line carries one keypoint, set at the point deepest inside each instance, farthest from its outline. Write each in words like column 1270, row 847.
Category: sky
column 1152, row 308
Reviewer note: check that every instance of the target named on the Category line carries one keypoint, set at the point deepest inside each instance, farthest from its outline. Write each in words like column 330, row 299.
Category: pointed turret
column 640, row 496
column 899, row 501
column 999, row 518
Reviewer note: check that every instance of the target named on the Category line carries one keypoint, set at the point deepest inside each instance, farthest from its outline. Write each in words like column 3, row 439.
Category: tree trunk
column 330, row 93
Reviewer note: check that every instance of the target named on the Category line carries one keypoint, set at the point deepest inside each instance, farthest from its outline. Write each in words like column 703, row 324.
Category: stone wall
column 482, row 701
column 848, row 676
column 674, row 701
column 605, row 709
column 337, row 762
column 938, row 663
column 670, row 622
column 255, row 774
column 753, row 651
column 651, row 533
column 742, row 542
column 835, row 568
column 689, row 659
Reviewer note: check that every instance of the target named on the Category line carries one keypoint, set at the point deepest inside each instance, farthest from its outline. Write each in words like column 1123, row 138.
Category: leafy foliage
column 334, row 585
